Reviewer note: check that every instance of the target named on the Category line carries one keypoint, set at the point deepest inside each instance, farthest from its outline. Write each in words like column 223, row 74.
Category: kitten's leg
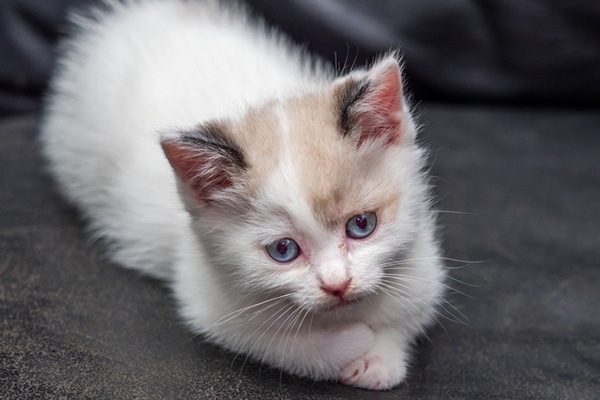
column 383, row 366
column 318, row 354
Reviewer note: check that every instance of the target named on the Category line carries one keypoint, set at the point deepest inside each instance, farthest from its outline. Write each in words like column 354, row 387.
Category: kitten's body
column 266, row 144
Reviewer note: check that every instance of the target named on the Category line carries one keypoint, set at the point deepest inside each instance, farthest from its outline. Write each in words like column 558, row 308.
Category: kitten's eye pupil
column 362, row 225
column 282, row 247
column 361, row 221
column 283, row 250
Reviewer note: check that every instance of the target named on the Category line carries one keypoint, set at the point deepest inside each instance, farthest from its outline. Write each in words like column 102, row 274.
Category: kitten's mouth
column 343, row 304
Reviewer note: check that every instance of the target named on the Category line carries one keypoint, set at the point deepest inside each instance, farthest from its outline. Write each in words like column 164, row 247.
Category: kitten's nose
column 337, row 289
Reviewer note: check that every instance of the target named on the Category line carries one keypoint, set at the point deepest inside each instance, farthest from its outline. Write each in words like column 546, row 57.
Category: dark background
column 506, row 93
column 542, row 52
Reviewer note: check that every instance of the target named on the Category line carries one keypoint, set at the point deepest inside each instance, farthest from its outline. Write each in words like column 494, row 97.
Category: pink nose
column 336, row 290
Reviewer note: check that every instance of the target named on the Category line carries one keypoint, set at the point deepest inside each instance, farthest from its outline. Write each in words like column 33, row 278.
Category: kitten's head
column 311, row 197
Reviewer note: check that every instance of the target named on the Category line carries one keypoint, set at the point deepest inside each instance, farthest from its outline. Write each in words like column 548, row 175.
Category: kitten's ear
column 207, row 161
column 371, row 106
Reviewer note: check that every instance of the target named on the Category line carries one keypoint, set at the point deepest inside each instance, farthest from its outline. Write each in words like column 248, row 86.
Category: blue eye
column 283, row 250
column 362, row 225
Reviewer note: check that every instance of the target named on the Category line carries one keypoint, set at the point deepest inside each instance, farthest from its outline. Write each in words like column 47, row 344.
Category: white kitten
column 287, row 208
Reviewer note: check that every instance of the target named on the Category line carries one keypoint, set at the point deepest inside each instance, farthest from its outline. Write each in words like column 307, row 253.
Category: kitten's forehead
column 324, row 161
column 330, row 174
column 299, row 156
column 297, row 132
column 258, row 134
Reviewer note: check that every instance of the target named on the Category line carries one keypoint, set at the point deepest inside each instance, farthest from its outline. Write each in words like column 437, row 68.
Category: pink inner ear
column 203, row 172
column 381, row 113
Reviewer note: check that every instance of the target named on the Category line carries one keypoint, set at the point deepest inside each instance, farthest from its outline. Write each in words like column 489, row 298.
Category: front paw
column 374, row 372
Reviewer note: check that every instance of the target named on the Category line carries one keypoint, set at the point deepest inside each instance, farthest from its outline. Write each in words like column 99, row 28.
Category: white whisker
column 433, row 258
column 461, row 319
column 228, row 317
column 453, row 212
column 282, row 312
column 423, row 281
column 385, row 289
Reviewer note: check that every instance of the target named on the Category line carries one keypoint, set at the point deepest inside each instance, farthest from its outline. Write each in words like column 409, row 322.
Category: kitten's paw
column 373, row 372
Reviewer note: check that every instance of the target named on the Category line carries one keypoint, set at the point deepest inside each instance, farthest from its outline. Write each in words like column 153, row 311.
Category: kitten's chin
column 344, row 305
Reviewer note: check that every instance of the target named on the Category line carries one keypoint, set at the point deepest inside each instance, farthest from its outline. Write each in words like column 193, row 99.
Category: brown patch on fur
column 258, row 134
column 320, row 152
column 339, row 180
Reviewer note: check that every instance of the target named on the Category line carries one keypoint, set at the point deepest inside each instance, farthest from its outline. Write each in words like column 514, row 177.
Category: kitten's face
column 311, row 198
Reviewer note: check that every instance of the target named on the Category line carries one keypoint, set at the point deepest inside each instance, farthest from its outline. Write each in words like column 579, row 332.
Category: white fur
column 143, row 67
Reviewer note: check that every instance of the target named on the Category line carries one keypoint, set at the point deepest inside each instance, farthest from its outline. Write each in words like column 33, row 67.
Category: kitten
column 286, row 207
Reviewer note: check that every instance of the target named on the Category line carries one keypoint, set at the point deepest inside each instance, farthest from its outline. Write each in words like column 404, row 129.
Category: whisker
column 277, row 314
column 415, row 259
column 286, row 333
column 391, row 294
column 463, row 283
column 453, row 212
column 421, row 280
column 304, row 314
column 228, row 317
column 281, row 314
column 276, row 334
column 461, row 318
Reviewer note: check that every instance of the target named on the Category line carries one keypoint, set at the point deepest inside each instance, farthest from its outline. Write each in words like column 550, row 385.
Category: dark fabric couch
column 516, row 165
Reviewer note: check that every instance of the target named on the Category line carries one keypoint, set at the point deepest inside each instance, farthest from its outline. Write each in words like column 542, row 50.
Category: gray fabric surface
column 526, row 184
